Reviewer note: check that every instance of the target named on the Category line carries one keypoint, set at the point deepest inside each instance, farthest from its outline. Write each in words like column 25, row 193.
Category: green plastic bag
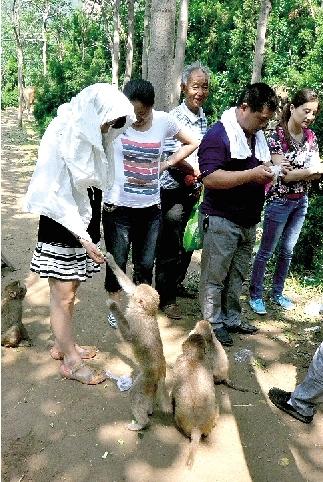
column 193, row 238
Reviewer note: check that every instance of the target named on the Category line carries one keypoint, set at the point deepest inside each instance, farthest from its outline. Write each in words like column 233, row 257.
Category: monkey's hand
column 93, row 251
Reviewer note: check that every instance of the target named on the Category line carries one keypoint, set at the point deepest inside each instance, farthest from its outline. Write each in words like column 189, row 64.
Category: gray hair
column 188, row 69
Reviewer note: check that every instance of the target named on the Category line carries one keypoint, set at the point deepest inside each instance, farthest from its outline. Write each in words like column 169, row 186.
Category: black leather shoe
column 280, row 398
column 223, row 336
column 244, row 328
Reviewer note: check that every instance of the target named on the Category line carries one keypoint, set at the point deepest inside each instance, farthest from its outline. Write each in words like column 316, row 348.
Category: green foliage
column 308, row 254
column 220, row 34
column 9, row 93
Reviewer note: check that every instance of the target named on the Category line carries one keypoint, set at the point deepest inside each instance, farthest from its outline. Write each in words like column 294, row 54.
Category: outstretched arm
column 126, row 284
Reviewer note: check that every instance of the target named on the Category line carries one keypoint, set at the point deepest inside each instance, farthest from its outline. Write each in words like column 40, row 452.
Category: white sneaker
column 112, row 320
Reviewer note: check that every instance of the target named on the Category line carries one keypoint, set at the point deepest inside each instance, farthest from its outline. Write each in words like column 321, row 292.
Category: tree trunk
column 44, row 37
column 179, row 51
column 265, row 8
column 161, row 51
column 20, row 57
column 145, row 41
column 129, row 57
column 116, row 43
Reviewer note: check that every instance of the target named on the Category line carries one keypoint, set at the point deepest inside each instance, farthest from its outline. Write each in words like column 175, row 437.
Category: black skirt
column 58, row 254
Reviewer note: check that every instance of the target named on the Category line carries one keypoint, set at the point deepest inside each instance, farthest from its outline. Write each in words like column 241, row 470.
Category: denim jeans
column 123, row 226
column 310, row 392
column 226, row 256
column 283, row 221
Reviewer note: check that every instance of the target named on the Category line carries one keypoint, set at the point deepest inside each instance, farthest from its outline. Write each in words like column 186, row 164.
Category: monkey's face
column 147, row 297
column 15, row 290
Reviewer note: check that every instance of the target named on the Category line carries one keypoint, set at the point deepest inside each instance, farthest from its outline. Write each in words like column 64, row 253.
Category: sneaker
column 258, row 306
column 280, row 398
column 112, row 320
column 172, row 311
column 223, row 336
column 283, row 302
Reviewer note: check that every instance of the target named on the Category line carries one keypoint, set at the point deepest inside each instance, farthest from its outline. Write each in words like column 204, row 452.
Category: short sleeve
column 173, row 126
column 214, row 151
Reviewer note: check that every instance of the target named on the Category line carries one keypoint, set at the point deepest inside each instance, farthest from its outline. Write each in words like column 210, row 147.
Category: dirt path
column 55, row 430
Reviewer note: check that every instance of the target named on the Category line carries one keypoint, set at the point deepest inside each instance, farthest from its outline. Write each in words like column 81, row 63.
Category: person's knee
column 286, row 252
column 264, row 255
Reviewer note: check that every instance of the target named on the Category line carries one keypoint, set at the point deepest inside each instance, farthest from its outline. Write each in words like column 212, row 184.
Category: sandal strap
column 76, row 367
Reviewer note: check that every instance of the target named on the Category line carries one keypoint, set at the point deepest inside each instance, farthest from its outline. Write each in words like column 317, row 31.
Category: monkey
column 13, row 332
column 217, row 355
column 193, row 393
column 139, row 326
column 29, row 99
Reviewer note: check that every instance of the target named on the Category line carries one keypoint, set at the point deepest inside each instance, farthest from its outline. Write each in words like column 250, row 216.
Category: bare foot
column 85, row 352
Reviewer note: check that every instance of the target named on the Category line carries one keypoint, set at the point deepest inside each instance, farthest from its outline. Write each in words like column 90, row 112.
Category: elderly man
column 231, row 159
column 179, row 191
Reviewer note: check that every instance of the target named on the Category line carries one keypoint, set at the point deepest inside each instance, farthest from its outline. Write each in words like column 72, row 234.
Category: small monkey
column 193, row 393
column 217, row 355
column 139, row 326
column 12, row 329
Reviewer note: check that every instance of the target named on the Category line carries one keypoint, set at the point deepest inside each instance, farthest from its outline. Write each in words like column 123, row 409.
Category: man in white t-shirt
column 131, row 211
column 179, row 192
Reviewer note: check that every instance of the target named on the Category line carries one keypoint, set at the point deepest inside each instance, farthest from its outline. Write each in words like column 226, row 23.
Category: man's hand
column 92, row 250
column 261, row 174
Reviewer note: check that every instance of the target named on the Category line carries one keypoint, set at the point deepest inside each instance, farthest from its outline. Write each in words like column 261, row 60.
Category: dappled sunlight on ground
column 57, row 429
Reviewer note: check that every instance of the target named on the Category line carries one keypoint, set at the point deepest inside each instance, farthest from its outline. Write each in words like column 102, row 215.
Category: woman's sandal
column 87, row 353
column 93, row 377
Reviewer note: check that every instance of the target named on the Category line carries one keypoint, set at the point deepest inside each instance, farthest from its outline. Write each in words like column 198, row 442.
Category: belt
column 295, row 195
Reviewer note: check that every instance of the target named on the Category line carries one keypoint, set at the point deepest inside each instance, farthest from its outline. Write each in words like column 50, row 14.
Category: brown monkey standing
column 139, row 327
column 217, row 356
column 13, row 331
column 193, row 393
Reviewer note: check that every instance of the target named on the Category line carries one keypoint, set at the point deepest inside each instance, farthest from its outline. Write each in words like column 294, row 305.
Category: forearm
column 221, row 179
column 298, row 175
column 178, row 158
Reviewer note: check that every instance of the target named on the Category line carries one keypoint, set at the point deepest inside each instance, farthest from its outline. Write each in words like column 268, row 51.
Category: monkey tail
column 195, row 440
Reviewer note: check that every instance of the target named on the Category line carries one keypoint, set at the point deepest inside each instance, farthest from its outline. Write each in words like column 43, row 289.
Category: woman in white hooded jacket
column 75, row 164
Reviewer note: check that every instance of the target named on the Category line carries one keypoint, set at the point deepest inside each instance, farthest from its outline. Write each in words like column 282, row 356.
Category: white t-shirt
column 137, row 163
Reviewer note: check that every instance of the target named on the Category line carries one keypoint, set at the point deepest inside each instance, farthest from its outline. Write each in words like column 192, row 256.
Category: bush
column 308, row 254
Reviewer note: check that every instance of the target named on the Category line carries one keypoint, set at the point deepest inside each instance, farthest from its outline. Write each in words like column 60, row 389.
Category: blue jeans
column 283, row 221
column 123, row 226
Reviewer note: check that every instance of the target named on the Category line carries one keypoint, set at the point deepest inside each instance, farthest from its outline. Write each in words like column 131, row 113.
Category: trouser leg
column 308, row 393
column 168, row 246
column 237, row 274
column 275, row 219
column 220, row 243
column 292, row 229
column 146, row 224
column 117, row 237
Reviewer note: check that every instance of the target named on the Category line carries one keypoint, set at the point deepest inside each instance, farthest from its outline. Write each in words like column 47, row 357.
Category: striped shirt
column 137, row 163
column 198, row 125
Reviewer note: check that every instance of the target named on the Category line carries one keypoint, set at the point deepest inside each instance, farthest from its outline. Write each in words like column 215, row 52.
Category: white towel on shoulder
column 238, row 141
